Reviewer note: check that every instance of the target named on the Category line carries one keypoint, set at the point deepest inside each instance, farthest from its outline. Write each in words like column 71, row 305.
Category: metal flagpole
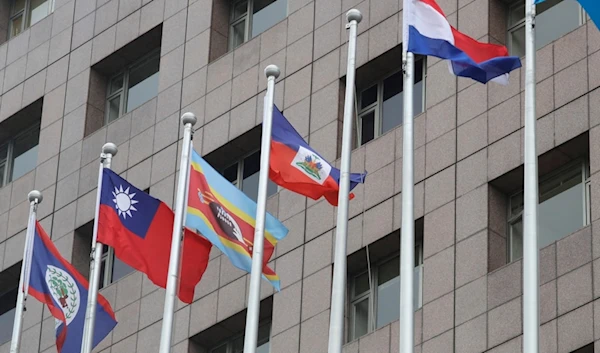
column 338, row 290
column 251, row 336
column 109, row 150
column 188, row 120
column 35, row 198
column 531, row 316
column 407, row 240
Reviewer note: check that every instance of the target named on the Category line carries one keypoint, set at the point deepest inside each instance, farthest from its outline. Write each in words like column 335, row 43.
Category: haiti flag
column 56, row 283
column 226, row 216
column 139, row 227
column 295, row 166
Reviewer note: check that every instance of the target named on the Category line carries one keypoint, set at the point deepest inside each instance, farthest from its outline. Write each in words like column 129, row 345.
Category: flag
column 139, row 228
column 226, row 216
column 56, row 283
column 428, row 32
column 295, row 166
column 592, row 7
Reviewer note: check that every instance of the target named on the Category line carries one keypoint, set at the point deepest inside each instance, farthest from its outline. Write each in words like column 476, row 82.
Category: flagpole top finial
column 111, row 148
column 272, row 70
column 189, row 118
column 354, row 15
column 35, row 195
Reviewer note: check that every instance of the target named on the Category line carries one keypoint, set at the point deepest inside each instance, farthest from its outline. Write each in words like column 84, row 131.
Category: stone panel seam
column 455, row 207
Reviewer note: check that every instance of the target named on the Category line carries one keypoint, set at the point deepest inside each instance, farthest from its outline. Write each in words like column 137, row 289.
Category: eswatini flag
column 294, row 165
column 226, row 216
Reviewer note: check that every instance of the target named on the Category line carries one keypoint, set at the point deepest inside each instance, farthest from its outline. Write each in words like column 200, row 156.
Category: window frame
column 511, row 28
column 248, row 17
column 24, row 14
column 8, row 162
column 229, row 342
column 108, row 261
column 377, row 106
column 371, row 293
column 560, row 173
column 124, row 89
column 235, row 21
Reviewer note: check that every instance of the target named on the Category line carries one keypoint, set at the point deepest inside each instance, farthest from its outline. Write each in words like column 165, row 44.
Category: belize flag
column 295, row 166
column 226, row 216
column 56, row 283
column 139, row 228
column 427, row 32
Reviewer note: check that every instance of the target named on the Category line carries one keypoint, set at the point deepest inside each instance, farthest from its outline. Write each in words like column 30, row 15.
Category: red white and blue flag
column 294, row 165
column 139, row 227
column 56, row 283
column 428, row 32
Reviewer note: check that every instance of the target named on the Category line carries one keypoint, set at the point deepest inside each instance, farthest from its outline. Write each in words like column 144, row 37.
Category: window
column 19, row 155
column 554, row 18
column 563, row 207
column 244, row 175
column 227, row 336
column 586, row 349
column 380, row 106
column 236, row 344
column 111, row 268
column 26, row 13
column 117, row 268
column 374, row 292
column 249, row 18
column 9, row 284
column 136, row 85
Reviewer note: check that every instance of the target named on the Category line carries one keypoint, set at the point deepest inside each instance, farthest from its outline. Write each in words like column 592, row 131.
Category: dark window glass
column 231, row 173
column 367, row 127
column 8, row 301
column 368, row 97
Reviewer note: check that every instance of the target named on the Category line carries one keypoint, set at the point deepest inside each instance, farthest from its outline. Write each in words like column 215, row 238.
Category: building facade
column 75, row 74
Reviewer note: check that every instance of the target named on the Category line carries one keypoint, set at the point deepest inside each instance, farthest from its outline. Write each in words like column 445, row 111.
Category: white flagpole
column 407, row 241
column 338, row 290
column 531, row 316
column 188, row 120
column 407, row 236
column 251, row 335
column 35, row 198
column 109, row 150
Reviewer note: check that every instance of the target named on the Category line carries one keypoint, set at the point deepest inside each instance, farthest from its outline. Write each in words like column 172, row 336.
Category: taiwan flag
column 294, row 165
column 54, row 282
column 139, row 228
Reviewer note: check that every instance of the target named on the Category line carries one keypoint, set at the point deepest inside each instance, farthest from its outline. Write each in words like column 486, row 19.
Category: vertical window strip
column 556, row 180
column 377, row 106
column 123, row 89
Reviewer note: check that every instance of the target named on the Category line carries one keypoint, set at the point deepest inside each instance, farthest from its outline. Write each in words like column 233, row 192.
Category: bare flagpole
column 188, row 120
column 407, row 237
column 338, row 290
column 109, row 150
column 407, row 240
column 252, row 316
column 35, row 198
column 531, row 315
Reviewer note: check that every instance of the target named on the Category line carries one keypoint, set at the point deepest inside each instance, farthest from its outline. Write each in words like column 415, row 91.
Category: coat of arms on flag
column 312, row 165
column 64, row 290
